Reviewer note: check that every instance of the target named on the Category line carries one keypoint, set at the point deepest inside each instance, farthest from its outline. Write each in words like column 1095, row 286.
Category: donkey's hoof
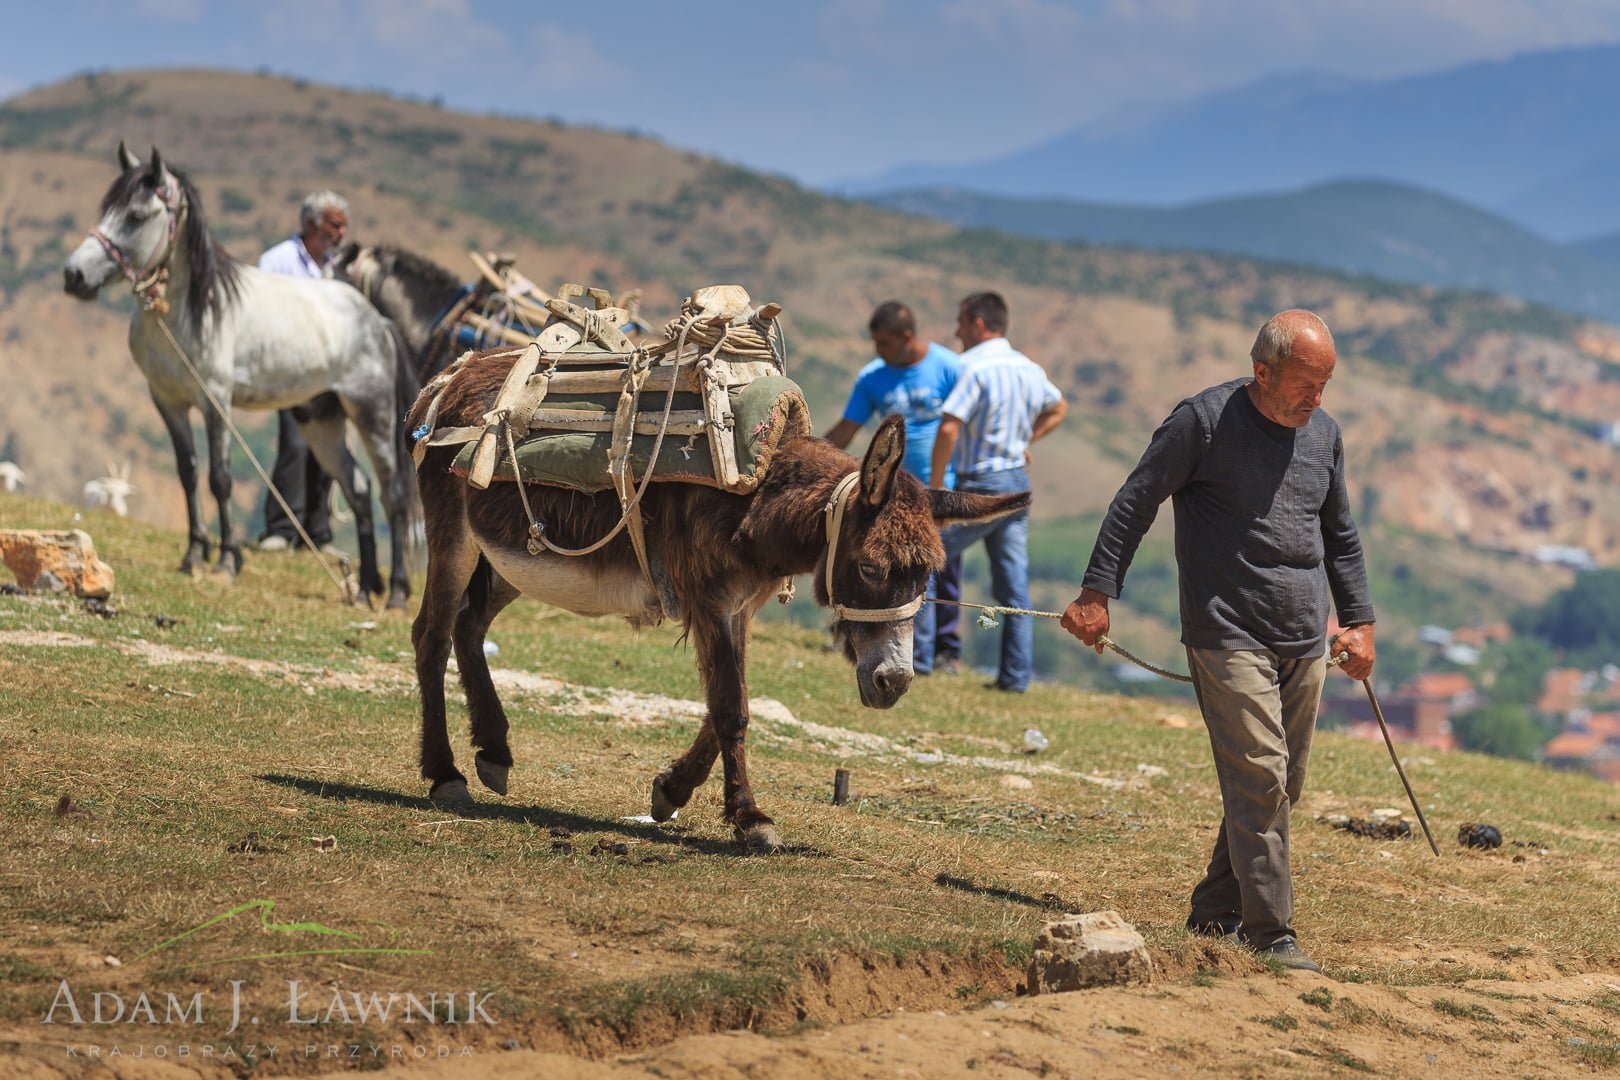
column 761, row 839
column 491, row 774
column 451, row 792
column 662, row 808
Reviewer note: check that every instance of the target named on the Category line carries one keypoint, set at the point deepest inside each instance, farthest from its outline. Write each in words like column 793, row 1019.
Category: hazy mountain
column 1602, row 248
column 1532, row 136
column 1366, row 227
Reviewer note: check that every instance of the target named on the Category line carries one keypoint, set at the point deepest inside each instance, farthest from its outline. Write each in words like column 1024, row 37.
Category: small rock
column 97, row 606
column 1174, row 720
column 1473, row 835
column 1014, row 782
column 1152, row 770
column 66, row 807
column 112, row 961
column 324, row 843
column 1095, row 949
column 58, row 561
column 1034, row 741
column 490, row 648
column 1383, row 814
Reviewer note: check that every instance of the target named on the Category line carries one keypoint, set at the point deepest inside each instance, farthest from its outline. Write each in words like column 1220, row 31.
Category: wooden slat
column 681, row 421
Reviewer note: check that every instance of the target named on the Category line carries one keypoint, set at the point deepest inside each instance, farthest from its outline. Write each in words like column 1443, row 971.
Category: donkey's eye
column 871, row 572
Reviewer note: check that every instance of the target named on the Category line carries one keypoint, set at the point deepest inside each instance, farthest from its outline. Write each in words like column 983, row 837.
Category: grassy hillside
column 1467, row 416
column 261, row 750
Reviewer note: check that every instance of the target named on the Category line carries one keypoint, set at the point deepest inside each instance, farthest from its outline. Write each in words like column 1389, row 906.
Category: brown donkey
column 718, row 557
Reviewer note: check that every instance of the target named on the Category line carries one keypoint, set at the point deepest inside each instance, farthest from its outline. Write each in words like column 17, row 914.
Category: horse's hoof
column 491, row 774
column 761, row 839
column 451, row 792
column 662, row 808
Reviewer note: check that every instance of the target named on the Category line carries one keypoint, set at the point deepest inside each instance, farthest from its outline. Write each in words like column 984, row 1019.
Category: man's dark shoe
column 1286, row 951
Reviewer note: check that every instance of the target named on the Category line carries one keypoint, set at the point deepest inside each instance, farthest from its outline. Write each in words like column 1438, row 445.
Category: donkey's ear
column 960, row 508
column 883, row 459
column 126, row 160
column 345, row 255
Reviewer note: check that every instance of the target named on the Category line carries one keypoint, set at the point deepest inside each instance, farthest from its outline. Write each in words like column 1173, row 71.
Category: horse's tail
column 406, row 390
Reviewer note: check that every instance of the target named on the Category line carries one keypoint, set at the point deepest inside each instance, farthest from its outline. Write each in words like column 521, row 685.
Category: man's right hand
column 1087, row 618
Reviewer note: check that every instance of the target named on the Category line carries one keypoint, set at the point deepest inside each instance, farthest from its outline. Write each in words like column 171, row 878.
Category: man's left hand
column 1357, row 641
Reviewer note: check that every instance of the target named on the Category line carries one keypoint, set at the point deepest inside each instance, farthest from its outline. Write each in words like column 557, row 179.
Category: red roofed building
column 1561, row 691
column 1419, row 712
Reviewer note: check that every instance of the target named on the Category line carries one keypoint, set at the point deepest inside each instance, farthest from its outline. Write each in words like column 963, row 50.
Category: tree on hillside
column 1584, row 617
column 1502, row 730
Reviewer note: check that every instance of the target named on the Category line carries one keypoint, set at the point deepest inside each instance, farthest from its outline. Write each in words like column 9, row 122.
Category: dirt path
column 1248, row 1026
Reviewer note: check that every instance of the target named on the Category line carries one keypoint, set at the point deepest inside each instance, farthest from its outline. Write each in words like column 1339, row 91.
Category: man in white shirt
column 323, row 220
column 1001, row 403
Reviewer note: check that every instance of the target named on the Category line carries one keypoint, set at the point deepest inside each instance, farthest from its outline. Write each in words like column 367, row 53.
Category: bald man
column 1264, row 541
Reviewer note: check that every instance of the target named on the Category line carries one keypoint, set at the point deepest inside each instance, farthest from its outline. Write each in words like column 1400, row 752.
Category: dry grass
column 288, row 717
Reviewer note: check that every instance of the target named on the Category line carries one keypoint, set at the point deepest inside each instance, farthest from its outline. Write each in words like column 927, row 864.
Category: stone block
column 1095, row 949
column 56, row 562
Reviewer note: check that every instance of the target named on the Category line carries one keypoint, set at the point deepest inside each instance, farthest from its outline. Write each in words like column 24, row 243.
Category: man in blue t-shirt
column 912, row 378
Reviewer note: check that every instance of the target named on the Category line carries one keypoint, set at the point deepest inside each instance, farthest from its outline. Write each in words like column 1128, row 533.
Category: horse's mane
column 215, row 277
column 418, row 273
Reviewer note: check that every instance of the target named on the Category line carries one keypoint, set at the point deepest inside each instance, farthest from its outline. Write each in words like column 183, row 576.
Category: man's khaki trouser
column 1260, row 710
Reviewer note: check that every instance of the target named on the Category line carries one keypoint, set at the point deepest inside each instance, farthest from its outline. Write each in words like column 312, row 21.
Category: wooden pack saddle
column 585, row 408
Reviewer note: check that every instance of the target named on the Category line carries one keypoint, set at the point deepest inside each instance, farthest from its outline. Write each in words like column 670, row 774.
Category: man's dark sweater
column 1263, row 528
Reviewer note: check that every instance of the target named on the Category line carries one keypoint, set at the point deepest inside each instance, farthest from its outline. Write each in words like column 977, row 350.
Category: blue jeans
column 1006, row 542
column 933, row 629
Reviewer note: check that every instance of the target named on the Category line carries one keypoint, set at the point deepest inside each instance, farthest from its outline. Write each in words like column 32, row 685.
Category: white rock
column 1095, row 949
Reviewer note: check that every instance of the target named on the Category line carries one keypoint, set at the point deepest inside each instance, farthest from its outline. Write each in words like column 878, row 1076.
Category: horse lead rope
column 988, row 620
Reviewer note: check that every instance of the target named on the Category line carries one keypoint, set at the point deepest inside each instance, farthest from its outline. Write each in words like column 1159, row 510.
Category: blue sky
column 816, row 90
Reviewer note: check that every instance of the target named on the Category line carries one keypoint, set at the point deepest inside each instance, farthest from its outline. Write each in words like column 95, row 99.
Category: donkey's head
column 881, row 548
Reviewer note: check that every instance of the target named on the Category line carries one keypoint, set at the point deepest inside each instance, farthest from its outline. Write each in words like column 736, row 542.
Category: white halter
column 834, row 515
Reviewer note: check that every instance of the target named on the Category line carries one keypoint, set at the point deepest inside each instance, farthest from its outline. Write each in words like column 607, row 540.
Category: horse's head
column 139, row 217
column 882, row 546
column 359, row 265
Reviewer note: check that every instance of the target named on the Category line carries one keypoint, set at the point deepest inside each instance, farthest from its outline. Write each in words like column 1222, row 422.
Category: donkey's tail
column 406, row 390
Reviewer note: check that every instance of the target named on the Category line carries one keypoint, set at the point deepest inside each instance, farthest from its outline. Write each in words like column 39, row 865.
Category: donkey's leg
column 672, row 788
column 487, row 595
column 324, row 433
column 178, row 420
column 219, row 485
column 722, row 642
column 452, row 557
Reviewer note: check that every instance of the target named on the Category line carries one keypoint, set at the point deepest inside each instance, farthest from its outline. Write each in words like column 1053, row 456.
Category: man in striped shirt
column 1002, row 402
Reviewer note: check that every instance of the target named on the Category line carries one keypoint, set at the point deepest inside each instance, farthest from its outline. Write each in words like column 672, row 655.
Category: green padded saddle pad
column 767, row 410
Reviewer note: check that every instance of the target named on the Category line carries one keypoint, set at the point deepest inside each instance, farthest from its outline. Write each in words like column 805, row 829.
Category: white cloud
column 559, row 56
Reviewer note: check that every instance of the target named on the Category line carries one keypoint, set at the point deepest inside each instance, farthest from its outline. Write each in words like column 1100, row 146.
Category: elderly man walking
column 323, row 219
column 1264, row 539
column 1002, row 403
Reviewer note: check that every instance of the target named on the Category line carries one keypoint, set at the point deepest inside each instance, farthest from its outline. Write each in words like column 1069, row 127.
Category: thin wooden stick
column 1379, row 713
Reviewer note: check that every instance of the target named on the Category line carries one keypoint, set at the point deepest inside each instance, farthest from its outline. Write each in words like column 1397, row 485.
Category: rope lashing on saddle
column 987, row 620
column 833, row 514
column 151, row 285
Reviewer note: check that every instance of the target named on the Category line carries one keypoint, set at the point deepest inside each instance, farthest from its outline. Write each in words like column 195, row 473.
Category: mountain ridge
column 1512, row 135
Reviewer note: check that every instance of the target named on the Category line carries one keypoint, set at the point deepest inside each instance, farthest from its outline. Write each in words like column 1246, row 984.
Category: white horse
column 255, row 340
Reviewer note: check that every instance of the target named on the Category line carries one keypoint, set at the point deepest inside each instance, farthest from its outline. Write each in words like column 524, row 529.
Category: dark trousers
column 301, row 482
